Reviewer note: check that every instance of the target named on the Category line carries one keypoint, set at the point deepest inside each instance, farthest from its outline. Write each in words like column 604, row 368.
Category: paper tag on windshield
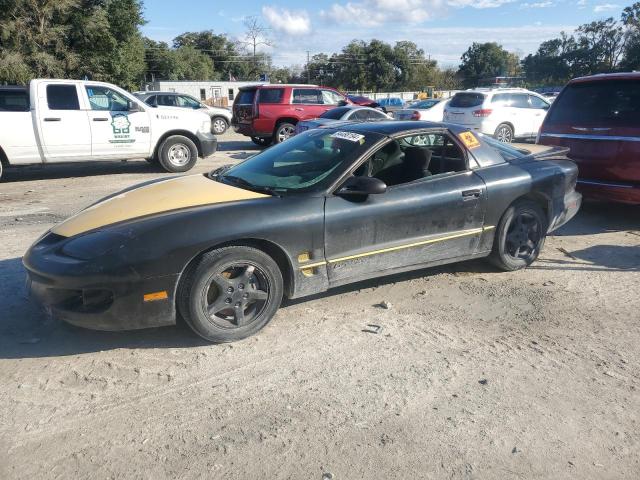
column 469, row 139
column 352, row 137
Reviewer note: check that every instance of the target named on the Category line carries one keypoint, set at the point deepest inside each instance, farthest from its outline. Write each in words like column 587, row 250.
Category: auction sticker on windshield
column 352, row 137
column 469, row 139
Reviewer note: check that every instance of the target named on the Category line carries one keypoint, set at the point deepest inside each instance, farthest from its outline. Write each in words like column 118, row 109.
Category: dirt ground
column 475, row 374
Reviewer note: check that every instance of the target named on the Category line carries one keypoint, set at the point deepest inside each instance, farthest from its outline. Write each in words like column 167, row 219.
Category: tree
column 483, row 60
column 631, row 21
column 99, row 39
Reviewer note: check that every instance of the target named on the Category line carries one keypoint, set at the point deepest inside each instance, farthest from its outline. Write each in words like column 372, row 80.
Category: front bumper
column 208, row 143
column 86, row 294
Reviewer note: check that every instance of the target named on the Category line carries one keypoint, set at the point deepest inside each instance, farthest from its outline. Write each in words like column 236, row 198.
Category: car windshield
column 307, row 162
column 335, row 113
column 506, row 151
column 425, row 104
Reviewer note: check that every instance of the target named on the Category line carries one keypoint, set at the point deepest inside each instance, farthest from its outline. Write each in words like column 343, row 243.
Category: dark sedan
column 327, row 207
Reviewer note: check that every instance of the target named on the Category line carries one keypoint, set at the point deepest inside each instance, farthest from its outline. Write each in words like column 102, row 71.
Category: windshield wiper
column 248, row 185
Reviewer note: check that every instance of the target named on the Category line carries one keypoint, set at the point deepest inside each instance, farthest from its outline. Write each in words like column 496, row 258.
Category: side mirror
column 134, row 107
column 362, row 186
column 342, row 103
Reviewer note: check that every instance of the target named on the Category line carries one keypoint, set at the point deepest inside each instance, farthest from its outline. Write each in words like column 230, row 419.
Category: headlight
column 93, row 244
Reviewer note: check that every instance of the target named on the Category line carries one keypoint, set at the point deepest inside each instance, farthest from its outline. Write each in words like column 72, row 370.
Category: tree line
column 101, row 40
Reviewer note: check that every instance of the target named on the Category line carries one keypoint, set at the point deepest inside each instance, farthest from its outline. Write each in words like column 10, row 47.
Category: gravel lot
column 475, row 373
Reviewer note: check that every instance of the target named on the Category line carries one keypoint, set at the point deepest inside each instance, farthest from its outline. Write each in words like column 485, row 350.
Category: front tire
column 284, row 131
column 230, row 293
column 504, row 133
column 520, row 236
column 219, row 125
column 177, row 154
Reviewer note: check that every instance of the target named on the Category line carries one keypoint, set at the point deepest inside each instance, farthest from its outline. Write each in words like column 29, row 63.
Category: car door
column 307, row 103
column 539, row 110
column 64, row 126
column 417, row 222
column 522, row 114
column 117, row 128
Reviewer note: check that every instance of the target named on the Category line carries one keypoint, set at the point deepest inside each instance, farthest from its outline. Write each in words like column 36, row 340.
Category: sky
column 444, row 29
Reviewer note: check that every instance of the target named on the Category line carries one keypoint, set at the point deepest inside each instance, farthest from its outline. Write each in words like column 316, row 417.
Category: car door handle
column 471, row 194
column 52, row 119
column 100, row 119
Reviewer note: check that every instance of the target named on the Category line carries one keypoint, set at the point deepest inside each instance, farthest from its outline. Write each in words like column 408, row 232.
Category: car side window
column 537, row 102
column 270, row 95
column 62, row 97
column 184, row 101
column 103, row 98
column 502, row 99
column 358, row 115
column 309, row 96
column 151, row 101
column 414, row 157
column 329, row 97
column 166, row 100
column 519, row 100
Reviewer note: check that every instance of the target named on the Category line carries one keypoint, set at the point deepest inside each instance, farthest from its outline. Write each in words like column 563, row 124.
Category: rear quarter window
column 467, row 100
column 604, row 103
column 270, row 95
column 14, row 101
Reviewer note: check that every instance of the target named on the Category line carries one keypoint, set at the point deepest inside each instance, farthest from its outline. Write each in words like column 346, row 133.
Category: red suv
column 598, row 118
column 269, row 113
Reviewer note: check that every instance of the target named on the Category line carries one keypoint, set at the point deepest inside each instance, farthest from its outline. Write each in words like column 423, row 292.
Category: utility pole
column 308, row 71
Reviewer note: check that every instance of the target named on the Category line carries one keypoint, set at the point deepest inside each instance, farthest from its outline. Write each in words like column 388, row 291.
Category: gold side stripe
column 464, row 233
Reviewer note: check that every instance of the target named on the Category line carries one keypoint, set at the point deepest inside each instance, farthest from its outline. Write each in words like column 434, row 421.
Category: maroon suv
column 269, row 113
column 598, row 118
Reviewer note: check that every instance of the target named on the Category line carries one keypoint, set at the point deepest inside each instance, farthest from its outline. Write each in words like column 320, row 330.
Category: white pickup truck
column 55, row 121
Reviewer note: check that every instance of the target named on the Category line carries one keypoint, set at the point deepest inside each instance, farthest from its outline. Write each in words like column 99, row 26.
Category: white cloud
column 286, row 21
column 605, row 7
column 581, row 3
column 537, row 5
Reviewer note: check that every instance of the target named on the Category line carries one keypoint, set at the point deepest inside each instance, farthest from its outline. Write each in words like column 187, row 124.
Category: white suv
column 505, row 113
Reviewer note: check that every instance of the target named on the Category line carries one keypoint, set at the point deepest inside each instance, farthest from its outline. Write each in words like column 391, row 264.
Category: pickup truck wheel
column 219, row 125
column 262, row 141
column 520, row 236
column 178, row 154
column 284, row 131
column 230, row 293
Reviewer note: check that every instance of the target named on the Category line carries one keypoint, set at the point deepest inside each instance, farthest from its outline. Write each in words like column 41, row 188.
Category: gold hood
column 173, row 194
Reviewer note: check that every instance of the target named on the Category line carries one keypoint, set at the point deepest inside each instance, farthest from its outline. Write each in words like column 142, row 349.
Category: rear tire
column 262, row 141
column 520, row 236
column 177, row 154
column 504, row 133
column 284, row 131
column 219, row 125
column 230, row 293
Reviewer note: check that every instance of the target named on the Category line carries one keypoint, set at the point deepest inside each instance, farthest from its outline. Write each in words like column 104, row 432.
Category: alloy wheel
column 237, row 295
column 504, row 134
column 219, row 125
column 285, row 133
column 523, row 237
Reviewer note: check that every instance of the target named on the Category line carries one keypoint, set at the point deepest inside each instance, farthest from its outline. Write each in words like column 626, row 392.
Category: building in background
column 215, row 93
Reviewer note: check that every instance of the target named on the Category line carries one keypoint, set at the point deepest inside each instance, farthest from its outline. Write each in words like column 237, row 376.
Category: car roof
column 394, row 127
column 158, row 92
column 608, row 76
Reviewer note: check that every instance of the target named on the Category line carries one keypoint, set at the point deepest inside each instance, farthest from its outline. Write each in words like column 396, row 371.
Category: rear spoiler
column 546, row 153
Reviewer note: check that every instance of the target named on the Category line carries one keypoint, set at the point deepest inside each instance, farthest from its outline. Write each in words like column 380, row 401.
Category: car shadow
column 26, row 331
column 78, row 169
column 624, row 258
column 602, row 217
column 232, row 145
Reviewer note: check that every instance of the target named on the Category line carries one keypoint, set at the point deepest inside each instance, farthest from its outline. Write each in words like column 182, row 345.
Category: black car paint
column 156, row 250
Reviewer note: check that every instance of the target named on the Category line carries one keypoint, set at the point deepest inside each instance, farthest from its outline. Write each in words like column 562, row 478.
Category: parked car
column 220, row 117
column 269, row 113
column 342, row 114
column 598, row 118
column 431, row 110
column 505, row 113
column 72, row 120
column 328, row 207
column 363, row 101
column 391, row 104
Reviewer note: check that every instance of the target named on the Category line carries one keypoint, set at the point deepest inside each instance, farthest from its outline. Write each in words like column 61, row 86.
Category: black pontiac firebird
column 327, row 207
